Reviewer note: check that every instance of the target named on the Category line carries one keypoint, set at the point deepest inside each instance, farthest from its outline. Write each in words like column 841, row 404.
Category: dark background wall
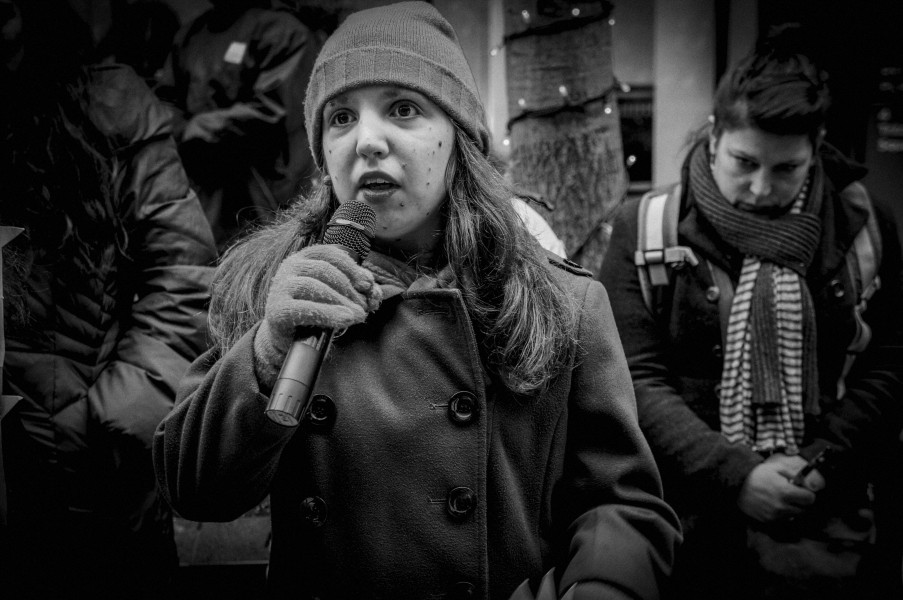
column 860, row 44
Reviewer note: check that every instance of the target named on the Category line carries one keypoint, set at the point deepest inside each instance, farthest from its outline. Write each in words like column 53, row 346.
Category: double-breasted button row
column 463, row 408
column 460, row 503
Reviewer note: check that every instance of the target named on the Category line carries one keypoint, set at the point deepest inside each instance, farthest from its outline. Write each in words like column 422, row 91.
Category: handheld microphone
column 351, row 229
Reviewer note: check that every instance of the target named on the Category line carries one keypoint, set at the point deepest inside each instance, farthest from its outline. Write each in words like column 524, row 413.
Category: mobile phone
column 814, row 462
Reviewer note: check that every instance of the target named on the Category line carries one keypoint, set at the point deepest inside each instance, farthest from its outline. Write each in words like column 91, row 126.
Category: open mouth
column 378, row 185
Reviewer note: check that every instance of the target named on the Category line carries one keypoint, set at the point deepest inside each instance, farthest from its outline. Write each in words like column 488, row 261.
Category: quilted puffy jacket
column 98, row 364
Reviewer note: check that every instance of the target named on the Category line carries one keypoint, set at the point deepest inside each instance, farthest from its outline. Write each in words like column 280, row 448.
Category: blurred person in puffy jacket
column 237, row 76
column 105, row 295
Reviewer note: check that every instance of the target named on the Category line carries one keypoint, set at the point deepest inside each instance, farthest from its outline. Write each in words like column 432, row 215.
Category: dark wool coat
column 97, row 367
column 676, row 363
column 415, row 476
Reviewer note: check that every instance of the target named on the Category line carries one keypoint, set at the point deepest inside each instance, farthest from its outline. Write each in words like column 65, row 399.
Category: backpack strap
column 657, row 249
column 863, row 259
column 724, row 287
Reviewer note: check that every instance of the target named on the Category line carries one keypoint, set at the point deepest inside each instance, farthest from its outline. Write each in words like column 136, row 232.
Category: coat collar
column 396, row 277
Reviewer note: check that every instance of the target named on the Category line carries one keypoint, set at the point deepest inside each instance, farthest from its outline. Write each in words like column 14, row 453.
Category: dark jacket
column 98, row 364
column 416, row 477
column 237, row 80
column 676, row 359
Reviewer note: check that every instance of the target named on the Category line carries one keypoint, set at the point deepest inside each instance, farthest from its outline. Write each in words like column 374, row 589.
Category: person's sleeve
column 216, row 453
column 165, row 278
column 622, row 536
column 709, row 467
column 171, row 84
column 870, row 415
column 284, row 55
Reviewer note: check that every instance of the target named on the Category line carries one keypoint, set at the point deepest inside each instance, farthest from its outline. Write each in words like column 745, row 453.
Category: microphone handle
column 291, row 394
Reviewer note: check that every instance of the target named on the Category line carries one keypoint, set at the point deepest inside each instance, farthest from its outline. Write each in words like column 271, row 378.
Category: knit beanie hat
column 408, row 44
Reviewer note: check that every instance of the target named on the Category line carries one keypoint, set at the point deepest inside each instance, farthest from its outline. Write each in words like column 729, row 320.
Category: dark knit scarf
column 770, row 375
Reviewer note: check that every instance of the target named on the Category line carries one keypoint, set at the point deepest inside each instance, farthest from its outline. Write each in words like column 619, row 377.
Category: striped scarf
column 769, row 378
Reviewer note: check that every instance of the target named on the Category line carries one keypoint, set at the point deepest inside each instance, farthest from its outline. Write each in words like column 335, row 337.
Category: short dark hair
column 776, row 88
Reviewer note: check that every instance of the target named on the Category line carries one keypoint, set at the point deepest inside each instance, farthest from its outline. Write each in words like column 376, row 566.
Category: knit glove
column 319, row 286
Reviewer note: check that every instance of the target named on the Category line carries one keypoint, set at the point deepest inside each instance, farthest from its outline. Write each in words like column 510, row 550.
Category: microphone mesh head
column 352, row 225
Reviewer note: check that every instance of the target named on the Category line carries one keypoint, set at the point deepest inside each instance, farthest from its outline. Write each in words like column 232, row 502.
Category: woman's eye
column 340, row 118
column 745, row 164
column 405, row 110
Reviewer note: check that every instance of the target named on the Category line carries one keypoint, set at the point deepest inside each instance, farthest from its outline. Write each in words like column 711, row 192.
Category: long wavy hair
column 523, row 316
column 54, row 163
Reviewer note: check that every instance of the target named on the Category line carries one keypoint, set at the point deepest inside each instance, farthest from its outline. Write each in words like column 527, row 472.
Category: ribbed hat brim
column 408, row 44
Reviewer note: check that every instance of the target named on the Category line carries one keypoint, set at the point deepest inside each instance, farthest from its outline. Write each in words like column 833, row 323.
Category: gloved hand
column 319, row 286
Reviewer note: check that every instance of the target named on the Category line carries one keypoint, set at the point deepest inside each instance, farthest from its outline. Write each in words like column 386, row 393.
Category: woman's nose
column 371, row 137
column 760, row 185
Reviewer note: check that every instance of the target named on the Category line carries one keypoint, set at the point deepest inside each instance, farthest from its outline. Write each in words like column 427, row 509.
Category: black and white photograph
column 451, row 299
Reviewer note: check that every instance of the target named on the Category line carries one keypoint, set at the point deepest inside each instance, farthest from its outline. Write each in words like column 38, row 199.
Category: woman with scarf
column 472, row 432
column 735, row 403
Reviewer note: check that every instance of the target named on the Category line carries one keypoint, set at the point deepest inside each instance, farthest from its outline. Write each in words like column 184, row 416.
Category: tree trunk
column 563, row 118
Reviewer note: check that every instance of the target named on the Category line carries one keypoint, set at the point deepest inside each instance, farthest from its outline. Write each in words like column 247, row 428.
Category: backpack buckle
column 658, row 259
column 675, row 257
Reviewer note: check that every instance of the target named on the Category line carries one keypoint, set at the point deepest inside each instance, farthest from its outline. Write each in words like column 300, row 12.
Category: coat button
column 837, row 288
column 463, row 590
column 313, row 511
column 463, row 408
column 712, row 294
column 461, row 502
column 718, row 351
column 322, row 410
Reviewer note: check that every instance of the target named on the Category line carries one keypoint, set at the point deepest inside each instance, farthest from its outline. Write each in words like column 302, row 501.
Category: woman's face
column 389, row 146
column 760, row 171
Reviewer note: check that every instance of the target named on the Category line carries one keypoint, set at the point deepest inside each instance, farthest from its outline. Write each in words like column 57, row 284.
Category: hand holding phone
column 815, row 462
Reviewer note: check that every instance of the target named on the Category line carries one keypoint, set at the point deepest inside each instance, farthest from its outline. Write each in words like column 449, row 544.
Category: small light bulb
column 611, row 21
column 625, row 88
column 521, row 102
column 494, row 51
column 607, row 110
column 575, row 12
column 631, row 160
column 526, row 15
column 506, row 142
column 563, row 90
